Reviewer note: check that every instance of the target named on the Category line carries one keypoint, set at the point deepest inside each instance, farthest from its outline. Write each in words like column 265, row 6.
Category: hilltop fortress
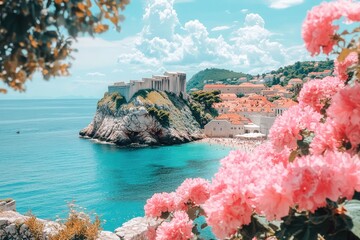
column 174, row 82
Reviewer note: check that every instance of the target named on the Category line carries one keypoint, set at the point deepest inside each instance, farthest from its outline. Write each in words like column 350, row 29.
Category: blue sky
column 252, row 36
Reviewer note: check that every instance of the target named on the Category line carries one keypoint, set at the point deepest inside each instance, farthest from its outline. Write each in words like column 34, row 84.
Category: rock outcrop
column 13, row 227
column 149, row 118
column 136, row 228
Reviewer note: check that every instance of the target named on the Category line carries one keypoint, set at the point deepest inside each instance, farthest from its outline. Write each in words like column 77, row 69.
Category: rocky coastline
column 14, row 226
column 150, row 118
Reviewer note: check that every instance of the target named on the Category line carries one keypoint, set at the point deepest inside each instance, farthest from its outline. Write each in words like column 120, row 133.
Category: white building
column 226, row 126
column 174, row 82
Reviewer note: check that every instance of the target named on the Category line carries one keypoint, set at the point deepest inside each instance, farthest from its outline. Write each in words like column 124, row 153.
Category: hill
column 213, row 75
column 296, row 70
column 301, row 69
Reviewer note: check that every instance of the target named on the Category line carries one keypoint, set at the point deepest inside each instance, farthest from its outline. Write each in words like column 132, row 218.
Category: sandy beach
column 244, row 145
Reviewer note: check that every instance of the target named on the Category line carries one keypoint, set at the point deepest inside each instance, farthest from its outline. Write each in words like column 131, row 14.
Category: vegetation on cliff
column 201, row 105
column 113, row 100
column 212, row 75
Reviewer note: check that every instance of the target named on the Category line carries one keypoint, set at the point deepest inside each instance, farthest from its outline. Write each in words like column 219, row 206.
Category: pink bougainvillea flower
column 232, row 194
column 316, row 92
column 287, row 128
column 345, row 112
column 341, row 68
column 328, row 136
column 179, row 228
column 318, row 29
column 352, row 11
column 160, row 203
column 314, row 178
column 194, row 190
column 151, row 233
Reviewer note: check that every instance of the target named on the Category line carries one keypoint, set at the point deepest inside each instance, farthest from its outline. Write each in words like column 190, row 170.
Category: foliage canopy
column 37, row 34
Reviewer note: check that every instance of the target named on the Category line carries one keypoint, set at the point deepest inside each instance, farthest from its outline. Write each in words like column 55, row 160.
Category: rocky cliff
column 149, row 118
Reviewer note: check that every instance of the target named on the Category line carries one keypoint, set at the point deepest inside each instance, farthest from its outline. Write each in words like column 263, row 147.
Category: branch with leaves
column 36, row 35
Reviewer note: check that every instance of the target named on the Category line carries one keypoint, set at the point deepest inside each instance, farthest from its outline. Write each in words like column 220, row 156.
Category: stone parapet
column 7, row 205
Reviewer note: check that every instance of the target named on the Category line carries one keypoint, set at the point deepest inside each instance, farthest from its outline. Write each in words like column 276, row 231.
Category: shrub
column 161, row 115
column 35, row 226
column 113, row 101
column 78, row 226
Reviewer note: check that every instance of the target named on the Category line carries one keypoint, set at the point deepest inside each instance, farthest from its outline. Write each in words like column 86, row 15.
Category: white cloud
column 166, row 44
column 96, row 74
column 220, row 28
column 244, row 10
column 253, row 19
column 281, row 4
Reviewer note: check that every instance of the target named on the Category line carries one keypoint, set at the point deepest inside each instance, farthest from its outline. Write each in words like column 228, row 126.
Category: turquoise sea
column 47, row 165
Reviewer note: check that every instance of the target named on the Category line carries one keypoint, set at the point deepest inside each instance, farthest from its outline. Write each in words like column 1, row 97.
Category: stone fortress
column 174, row 82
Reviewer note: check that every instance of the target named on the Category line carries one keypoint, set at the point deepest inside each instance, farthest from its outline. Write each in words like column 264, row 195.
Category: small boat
column 17, row 132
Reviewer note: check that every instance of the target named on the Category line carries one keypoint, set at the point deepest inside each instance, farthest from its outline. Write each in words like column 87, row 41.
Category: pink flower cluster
column 179, row 228
column 341, row 68
column 312, row 179
column 191, row 191
column 345, row 112
column 195, row 191
column 318, row 28
column 251, row 184
column 315, row 93
column 231, row 201
column 287, row 128
column 160, row 203
column 328, row 137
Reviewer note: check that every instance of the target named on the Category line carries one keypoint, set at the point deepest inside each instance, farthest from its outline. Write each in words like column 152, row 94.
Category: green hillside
column 302, row 69
column 296, row 70
column 215, row 75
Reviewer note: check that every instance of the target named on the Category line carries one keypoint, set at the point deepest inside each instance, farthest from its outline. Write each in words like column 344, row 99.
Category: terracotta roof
column 214, row 85
column 233, row 118
column 248, row 84
column 284, row 103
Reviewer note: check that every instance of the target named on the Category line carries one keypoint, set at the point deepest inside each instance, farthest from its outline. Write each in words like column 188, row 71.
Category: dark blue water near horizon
column 47, row 165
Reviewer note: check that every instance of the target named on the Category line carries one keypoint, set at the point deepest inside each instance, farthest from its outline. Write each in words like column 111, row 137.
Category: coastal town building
column 282, row 105
column 255, row 108
column 322, row 74
column 295, row 81
column 276, row 90
column 174, row 82
column 245, row 106
column 226, row 126
column 243, row 88
column 227, row 96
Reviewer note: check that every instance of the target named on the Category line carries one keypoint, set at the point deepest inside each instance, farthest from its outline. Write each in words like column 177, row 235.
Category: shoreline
column 237, row 144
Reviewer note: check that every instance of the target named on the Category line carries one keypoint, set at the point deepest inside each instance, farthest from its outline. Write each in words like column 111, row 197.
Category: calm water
column 48, row 165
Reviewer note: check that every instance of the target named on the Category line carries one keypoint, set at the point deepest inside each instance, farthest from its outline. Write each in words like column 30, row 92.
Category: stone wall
column 7, row 205
column 12, row 226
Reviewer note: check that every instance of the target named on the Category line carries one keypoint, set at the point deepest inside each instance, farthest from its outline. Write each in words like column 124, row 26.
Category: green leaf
column 353, row 211
column 165, row 215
